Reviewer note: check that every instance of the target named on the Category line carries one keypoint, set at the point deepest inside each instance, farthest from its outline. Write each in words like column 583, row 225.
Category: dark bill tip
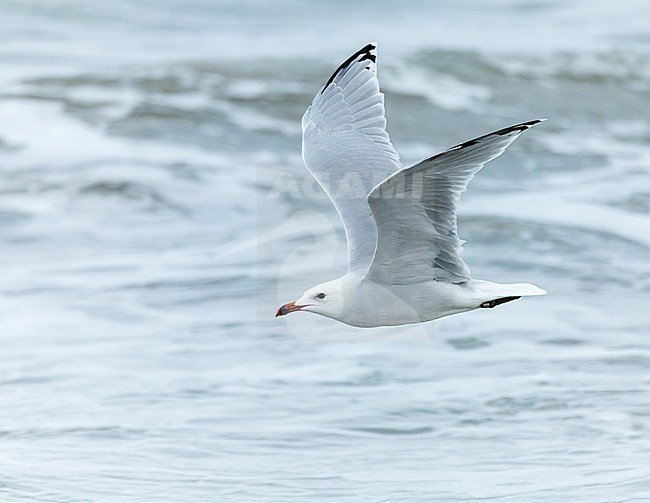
column 288, row 308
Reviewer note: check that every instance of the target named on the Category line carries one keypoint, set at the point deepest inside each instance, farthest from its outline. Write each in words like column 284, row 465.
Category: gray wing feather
column 346, row 148
column 415, row 212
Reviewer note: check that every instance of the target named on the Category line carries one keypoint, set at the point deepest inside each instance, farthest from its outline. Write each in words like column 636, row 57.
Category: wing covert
column 415, row 212
column 346, row 148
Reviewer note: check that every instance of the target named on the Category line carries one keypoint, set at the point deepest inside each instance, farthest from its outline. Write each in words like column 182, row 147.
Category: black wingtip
column 365, row 53
column 518, row 127
column 501, row 132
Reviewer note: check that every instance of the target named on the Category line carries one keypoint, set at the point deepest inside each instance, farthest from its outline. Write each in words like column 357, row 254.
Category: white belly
column 373, row 305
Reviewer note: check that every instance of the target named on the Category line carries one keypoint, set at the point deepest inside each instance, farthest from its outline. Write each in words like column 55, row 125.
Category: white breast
column 369, row 304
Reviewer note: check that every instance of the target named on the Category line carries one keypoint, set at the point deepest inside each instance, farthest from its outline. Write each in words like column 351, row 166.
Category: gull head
column 325, row 299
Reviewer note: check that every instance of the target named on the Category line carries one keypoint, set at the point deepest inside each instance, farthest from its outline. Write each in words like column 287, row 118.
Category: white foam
column 443, row 91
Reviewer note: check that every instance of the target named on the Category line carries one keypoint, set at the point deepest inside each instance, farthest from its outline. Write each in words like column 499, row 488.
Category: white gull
column 404, row 263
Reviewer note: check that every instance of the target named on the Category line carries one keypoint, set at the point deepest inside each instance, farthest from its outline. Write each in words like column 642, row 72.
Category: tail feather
column 488, row 292
column 523, row 290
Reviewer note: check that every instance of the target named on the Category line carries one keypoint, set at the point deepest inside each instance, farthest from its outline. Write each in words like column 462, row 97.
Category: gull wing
column 415, row 212
column 346, row 148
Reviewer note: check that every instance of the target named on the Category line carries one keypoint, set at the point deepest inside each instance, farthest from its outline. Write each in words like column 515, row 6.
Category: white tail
column 488, row 294
column 523, row 289
column 485, row 291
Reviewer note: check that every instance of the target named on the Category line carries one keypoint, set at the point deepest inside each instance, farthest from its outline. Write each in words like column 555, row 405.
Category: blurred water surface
column 154, row 212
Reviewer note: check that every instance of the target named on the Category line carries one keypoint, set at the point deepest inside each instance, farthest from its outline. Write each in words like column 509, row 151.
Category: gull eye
column 320, row 296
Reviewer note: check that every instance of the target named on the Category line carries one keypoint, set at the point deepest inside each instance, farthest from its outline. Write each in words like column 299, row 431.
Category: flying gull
column 404, row 263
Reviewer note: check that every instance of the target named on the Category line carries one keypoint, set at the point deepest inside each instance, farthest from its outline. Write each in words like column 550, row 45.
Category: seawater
column 154, row 213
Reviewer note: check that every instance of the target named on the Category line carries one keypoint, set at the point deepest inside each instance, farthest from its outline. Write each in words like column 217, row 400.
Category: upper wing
column 346, row 148
column 415, row 212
